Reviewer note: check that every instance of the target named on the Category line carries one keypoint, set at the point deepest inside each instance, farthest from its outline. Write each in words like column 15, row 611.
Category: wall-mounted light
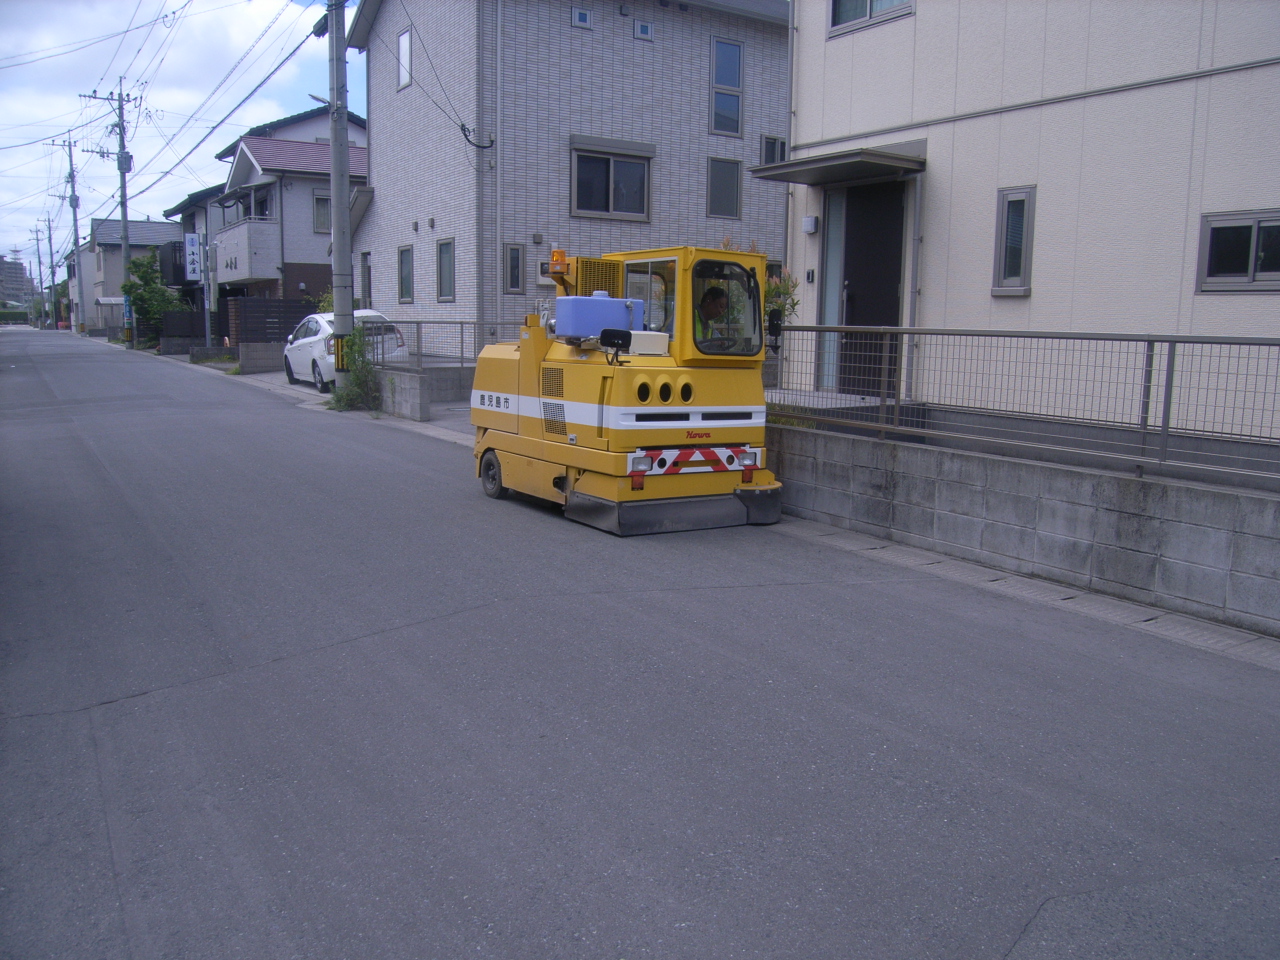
column 809, row 224
column 415, row 226
column 808, row 276
column 302, row 285
column 431, row 223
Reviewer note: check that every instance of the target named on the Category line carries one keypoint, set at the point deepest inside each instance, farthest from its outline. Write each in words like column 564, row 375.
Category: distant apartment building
column 499, row 131
column 15, row 285
column 268, row 224
column 1025, row 164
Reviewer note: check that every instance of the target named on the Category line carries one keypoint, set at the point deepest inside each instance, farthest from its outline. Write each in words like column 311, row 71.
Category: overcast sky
column 172, row 65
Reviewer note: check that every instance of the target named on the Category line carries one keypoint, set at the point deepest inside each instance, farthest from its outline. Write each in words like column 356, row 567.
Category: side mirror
column 775, row 323
column 615, row 339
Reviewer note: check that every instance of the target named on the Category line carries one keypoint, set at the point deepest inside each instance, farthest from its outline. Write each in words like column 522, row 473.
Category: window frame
column 366, row 280
column 780, row 149
column 737, row 164
column 404, row 59
column 717, row 88
column 316, row 197
column 452, row 294
column 519, row 250
column 1255, row 219
column 1020, row 286
column 870, row 20
column 611, row 214
column 400, row 274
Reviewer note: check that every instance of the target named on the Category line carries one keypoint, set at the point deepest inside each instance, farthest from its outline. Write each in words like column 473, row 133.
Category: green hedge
column 13, row 316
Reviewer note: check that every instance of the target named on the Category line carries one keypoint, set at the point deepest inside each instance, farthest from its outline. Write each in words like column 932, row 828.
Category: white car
column 308, row 353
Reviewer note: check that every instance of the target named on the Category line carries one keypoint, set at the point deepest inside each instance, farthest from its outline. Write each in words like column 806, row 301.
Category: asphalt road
column 278, row 682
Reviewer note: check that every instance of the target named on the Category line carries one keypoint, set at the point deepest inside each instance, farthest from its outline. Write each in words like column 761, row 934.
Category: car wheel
column 491, row 476
column 321, row 383
column 288, row 372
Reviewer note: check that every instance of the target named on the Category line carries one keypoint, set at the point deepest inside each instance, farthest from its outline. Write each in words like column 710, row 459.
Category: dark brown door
column 872, row 288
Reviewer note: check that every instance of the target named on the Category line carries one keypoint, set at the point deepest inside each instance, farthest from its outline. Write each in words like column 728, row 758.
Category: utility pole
column 339, row 181
column 39, row 270
column 74, row 202
column 53, row 274
column 124, row 163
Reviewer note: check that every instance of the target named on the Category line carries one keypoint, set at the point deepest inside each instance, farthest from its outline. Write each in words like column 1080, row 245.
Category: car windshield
column 726, row 312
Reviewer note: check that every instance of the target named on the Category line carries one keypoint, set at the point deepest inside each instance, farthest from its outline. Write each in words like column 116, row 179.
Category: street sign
column 193, row 257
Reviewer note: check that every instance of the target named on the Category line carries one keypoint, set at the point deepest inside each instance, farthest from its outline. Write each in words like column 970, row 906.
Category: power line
column 261, row 84
column 78, row 126
column 83, row 44
column 107, row 68
column 169, row 140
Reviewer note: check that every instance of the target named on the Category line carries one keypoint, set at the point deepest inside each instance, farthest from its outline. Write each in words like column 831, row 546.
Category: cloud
column 171, row 65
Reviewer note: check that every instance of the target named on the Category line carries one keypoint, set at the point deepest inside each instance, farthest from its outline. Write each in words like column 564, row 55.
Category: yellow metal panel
column 530, row 476
column 593, row 274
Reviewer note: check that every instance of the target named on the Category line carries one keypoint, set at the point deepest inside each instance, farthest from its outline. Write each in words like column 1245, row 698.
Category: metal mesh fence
column 1208, row 402
column 416, row 344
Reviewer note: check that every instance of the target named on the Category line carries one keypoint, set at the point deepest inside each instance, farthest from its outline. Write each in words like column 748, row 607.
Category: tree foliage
column 362, row 390
column 150, row 298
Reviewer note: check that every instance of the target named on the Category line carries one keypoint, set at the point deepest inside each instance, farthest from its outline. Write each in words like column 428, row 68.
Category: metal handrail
column 437, row 343
column 1031, row 334
column 1208, row 403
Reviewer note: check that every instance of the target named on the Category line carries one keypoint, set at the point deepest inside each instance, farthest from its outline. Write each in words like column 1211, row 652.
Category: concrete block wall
column 1212, row 552
column 261, row 357
column 405, row 395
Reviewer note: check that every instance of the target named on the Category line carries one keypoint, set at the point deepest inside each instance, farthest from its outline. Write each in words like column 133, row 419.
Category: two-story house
column 500, row 130
column 268, row 224
column 276, row 205
column 1025, row 164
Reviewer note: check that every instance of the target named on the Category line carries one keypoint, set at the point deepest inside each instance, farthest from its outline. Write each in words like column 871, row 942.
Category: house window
column 726, row 87
column 513, row 268
column 404, row 56
column 724, row 188
column 643, row 31
column 444, row 271
column 849, row 15
column 773, row 149
column 1240, row 252
column 1015, row 222
column 581, row 18
column 610, row 186
column 320, row 221
column 366, row 282
column 405, row 261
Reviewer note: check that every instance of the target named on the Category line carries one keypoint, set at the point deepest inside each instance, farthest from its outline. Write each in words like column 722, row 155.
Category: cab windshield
column 726, row 312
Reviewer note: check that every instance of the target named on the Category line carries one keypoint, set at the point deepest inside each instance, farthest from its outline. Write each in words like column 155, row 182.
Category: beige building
column 1027, row 164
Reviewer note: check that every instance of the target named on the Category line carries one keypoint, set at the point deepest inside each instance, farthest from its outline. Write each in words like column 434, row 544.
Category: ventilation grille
column 553, row 381
column 553, row 418
column 596, row 275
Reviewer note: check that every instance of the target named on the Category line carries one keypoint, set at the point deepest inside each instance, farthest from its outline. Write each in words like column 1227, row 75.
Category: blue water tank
column 587, row 316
